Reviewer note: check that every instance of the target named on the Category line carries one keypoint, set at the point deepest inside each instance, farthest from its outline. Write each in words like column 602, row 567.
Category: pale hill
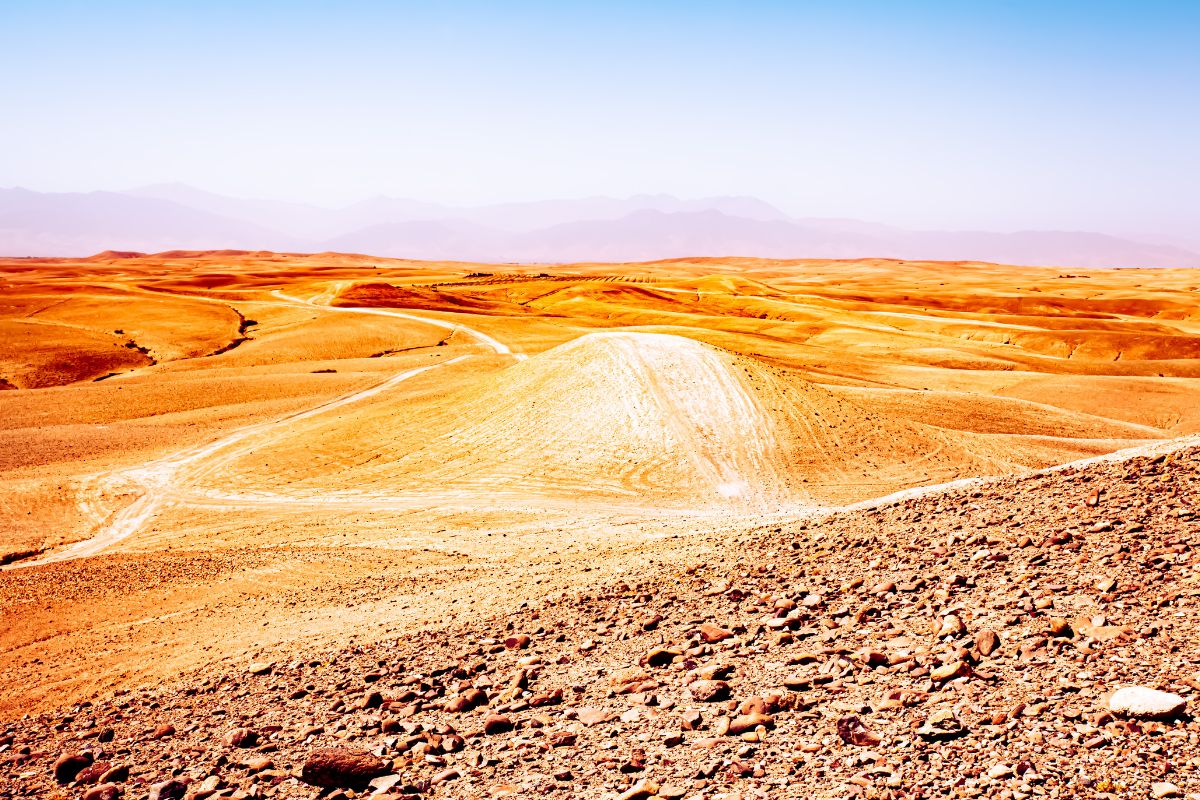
column 633, row 417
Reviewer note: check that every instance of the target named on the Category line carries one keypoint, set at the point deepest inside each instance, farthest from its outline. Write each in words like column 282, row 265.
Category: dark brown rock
column 341, row 768
column 70, row 765
column 105, row 791
column 241, row 737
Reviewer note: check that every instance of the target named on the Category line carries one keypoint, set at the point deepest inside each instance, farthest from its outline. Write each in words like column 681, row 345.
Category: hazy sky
column 997, row 115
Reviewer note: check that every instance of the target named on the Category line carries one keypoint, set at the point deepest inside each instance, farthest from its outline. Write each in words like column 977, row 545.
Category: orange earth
column 208, row 456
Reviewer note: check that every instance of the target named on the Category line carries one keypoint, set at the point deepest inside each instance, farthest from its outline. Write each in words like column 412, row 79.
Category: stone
column 261, row 668
column 852, row 731
column 660, row 656
column 708, row 691
column 987, row 642
column 1141, row 701
column 117, row 774
column 594, row 716
column 241, row 737
column 341, row 768
column 445, row 776
column 642, row 790
column 260, row 764
column 1060, row 628
column 91, row 775
column 950, row 670
column 1164, row 789
column 69, row 765
column 628, row 675
column 940, row 726
column 1000, row 772
column 467, row 700
column 713, row 633
column 951, row 626
column 105, row 791
column 168, row 790
column 496, row 723
column 748, row 722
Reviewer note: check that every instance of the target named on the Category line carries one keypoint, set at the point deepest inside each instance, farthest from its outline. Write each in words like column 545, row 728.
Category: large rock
column 341, row 768
column 71, row 764
column 1140, row 701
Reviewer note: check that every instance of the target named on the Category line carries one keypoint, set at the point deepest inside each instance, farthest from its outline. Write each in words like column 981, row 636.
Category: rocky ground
column 963, row 644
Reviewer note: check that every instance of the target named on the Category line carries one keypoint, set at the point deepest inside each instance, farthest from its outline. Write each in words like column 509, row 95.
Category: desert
column 279, row 524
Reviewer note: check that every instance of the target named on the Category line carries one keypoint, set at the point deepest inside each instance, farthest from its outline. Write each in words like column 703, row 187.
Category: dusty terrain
column 365, row 470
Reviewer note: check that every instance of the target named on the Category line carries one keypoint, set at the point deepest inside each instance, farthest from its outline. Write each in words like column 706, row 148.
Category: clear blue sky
column 996, row 115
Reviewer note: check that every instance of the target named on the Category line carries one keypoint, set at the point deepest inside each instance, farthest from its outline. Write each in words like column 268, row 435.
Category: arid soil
column 966, row 643
column 344, row 466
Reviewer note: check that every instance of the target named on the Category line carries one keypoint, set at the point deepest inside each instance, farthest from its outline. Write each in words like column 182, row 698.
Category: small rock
column 497, row 723
column 117, row 774
column 594, row 716
column 93, row 774
column 384, row 783
column 467, row 700
column 713, row 633
column 260, row 764
column 1164, row 789
column 1060, row 628
column 852, row 731
column 709, row 691
column 1000, row 772
column 987, row 642
column 660, row 656
column 445, row 775
column 950, row 670
column 940, row 726
column 951, row 626
column 241, row 737
column 168, row 790
column 748, row 722
column 105, row 791
column 261, row 668
column 640, row 791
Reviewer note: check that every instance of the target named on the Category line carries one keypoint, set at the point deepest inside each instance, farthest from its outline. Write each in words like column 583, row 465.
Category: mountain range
column 639, row 228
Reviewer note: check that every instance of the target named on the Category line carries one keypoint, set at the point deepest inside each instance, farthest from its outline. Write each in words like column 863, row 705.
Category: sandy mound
column 633, row 416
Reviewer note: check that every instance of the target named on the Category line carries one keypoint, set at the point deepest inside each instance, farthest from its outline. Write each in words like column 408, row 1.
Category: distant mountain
column 432, row 240
column 639, row 228
column 294, row 219
column 651, row 235
column 534, row 216
column 79, row 224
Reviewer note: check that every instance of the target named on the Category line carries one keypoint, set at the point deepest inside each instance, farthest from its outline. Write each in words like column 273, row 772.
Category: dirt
column 540, row 536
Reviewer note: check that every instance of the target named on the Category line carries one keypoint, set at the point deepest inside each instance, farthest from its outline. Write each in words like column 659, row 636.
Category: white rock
column 1164, row 789
column 1000, row 771
column 1140, row 701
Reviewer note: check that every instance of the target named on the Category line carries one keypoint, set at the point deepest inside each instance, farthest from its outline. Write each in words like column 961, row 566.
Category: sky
column 1000, row 115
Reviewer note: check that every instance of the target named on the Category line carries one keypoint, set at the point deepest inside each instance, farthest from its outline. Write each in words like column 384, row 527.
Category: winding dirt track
column 165, row 479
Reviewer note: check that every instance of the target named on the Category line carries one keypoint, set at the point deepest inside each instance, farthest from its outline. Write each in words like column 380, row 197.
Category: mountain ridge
column 640, row 228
